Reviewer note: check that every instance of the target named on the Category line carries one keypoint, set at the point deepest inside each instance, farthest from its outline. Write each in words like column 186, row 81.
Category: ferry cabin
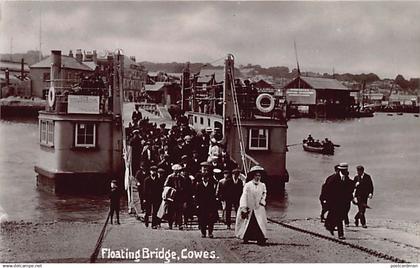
column 80, row 138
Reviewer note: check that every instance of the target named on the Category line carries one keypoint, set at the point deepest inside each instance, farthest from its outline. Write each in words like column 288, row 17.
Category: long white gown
column 253, row 198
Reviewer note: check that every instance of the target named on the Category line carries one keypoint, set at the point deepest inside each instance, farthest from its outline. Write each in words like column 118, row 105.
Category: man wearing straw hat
column 338, row 194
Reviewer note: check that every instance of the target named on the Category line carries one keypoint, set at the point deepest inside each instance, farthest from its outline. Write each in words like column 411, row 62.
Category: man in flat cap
column 152, row 194
column 338, row 194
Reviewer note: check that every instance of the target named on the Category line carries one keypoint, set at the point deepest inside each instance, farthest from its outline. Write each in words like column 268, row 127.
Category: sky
column 355, row 37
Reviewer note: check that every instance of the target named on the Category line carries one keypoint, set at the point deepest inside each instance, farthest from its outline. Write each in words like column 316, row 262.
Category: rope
column 95, row 253
column 238, row 118
column 371, row 252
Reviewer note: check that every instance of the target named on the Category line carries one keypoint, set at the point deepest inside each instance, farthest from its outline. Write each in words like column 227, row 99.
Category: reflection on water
column 388, row 147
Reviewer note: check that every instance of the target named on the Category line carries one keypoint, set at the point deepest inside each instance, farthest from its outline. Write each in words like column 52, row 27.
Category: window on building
column 47, row 132
column 46, row 76
column 201, row 121
column 258, row 139
column 195, row 119
column 85, row 135
column 208, row 122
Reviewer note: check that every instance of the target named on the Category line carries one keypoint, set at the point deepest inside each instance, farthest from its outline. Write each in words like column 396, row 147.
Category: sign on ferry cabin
column 82, row 104
column 304, row 96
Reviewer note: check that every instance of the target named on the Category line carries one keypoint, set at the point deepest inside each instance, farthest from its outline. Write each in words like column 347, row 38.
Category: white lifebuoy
column 51, row 96
column 265, row 109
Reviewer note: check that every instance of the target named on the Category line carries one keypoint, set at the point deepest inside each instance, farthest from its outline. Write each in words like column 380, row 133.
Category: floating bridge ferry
column 253, row 125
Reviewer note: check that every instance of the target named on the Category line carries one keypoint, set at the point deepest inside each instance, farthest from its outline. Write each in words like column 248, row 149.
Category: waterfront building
column 71, row 70
column 163, row 93
column 322, row 97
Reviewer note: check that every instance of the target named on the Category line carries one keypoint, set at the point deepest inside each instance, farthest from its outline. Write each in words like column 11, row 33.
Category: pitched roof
column 206, row 75
column 324, row 83
column 66, row 62
column 92, row 65
column 13, row 66
column 156, row 87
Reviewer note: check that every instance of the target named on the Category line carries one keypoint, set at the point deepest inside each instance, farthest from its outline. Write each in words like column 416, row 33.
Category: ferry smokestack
column 55, row 67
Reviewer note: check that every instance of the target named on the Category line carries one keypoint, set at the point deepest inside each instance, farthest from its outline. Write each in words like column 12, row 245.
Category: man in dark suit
column 322, row 199
column 152, row 194
column 364, row 190
column 232, row 194
column 338, row 193
column 205, row 197
column 136, row 116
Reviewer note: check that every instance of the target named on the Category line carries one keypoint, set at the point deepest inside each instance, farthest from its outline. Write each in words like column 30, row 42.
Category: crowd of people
column 337, row 194
column 182, row 173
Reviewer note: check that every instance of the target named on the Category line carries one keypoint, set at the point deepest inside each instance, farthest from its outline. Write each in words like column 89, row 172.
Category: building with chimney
column 71, row 71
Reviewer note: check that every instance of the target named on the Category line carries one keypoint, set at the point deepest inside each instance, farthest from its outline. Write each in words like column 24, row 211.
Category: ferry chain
column 371, row 252
column 95, row 253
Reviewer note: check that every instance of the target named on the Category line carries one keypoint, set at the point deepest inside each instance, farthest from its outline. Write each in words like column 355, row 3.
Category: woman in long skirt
column 251, row 219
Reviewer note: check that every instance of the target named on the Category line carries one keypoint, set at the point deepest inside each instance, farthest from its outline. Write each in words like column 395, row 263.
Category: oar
column 294, row 144
column 336, row 145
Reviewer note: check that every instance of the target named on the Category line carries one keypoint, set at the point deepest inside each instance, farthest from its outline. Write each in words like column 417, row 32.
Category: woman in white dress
column 251, row 221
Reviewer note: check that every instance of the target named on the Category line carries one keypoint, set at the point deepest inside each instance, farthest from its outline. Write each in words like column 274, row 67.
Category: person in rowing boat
column 328, row 145
column 309, row 139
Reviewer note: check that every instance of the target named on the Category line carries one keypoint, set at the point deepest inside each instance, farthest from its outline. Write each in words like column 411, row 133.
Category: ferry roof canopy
column 67, row 62
column 319, row 83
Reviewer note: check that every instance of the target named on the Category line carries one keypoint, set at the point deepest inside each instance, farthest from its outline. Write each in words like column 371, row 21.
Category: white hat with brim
column 256, row 169
column 343, row 166
column 176, row 167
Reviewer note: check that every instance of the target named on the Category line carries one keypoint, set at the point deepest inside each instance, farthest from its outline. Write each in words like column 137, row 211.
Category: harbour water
column 388, row 147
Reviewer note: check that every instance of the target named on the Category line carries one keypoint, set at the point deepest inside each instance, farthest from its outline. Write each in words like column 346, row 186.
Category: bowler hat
column 204, row 164
column 153, row 168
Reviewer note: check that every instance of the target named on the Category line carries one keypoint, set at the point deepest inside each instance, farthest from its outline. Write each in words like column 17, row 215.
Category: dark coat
column 364, row 186
column 181, row 185
column 233, row 191
column 152, row 190
column 114, row 196
column 205, row 198
column 338, row 194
